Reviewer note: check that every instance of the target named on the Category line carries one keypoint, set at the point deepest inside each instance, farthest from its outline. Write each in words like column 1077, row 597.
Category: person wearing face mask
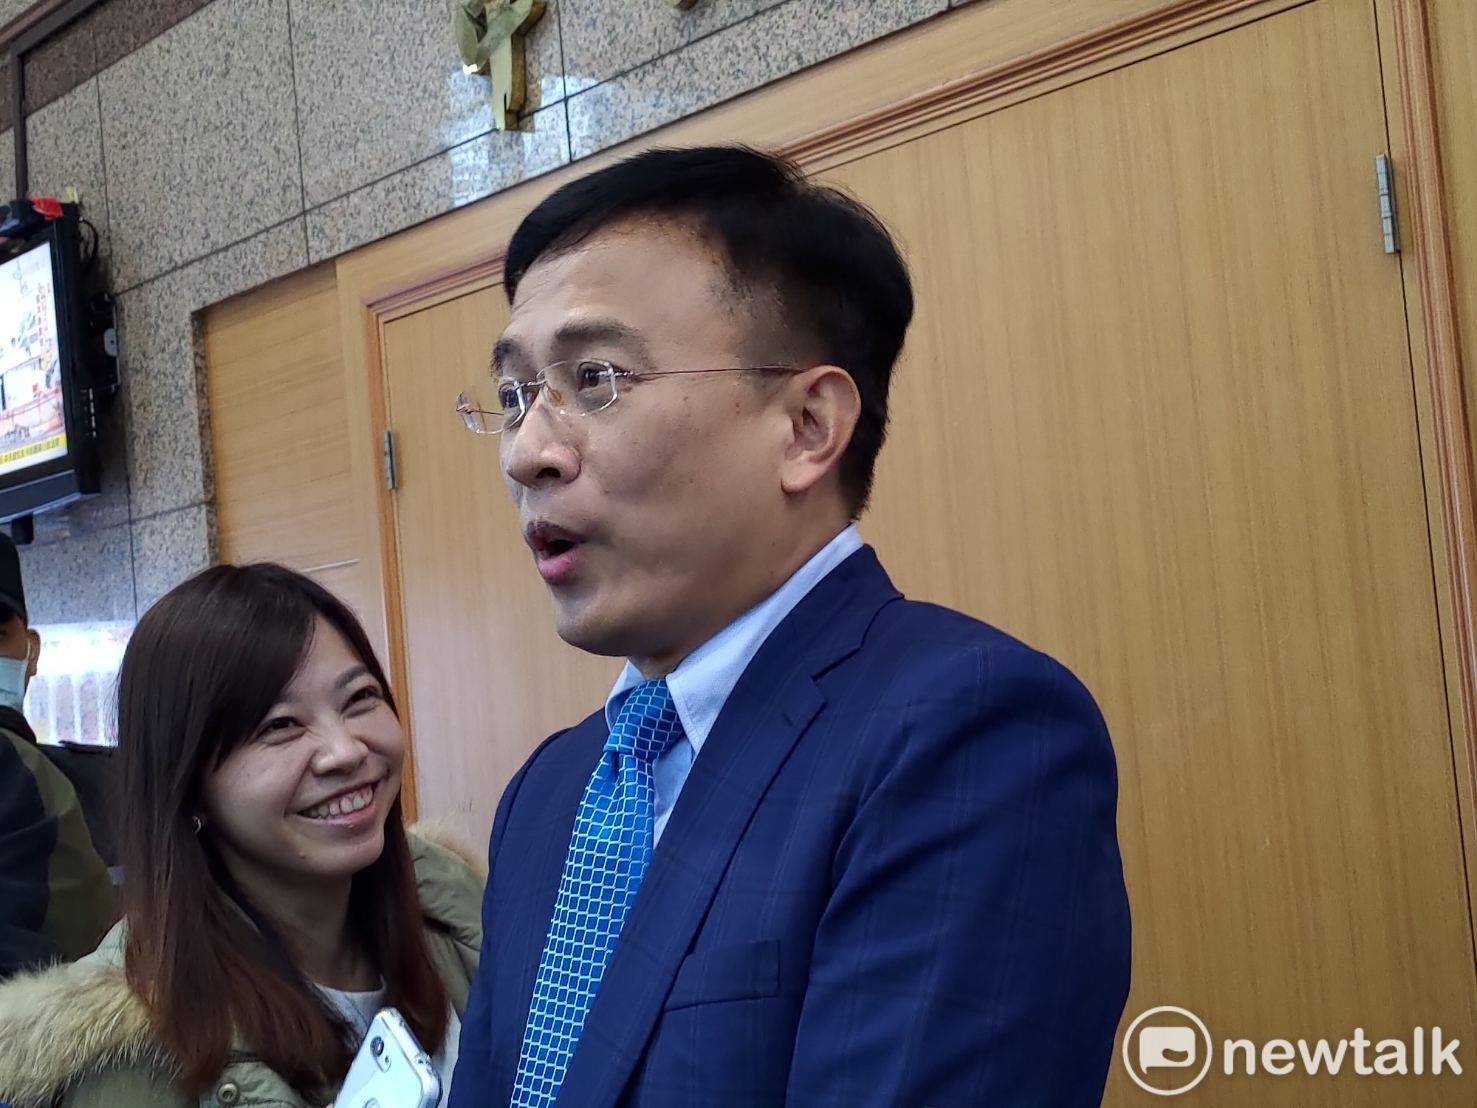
column 56, row 899
column 273, row 900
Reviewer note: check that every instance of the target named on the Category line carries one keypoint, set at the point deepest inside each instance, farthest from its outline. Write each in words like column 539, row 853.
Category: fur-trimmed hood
column 60, row 1024
column 64, row 1024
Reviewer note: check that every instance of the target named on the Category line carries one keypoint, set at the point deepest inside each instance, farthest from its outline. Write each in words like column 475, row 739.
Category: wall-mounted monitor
column 48, row 393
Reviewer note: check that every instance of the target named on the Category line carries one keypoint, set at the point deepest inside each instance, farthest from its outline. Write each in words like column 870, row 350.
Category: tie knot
column 647, row 723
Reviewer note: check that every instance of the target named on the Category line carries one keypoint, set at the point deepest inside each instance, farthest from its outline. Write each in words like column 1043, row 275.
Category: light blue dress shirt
column 701, row 684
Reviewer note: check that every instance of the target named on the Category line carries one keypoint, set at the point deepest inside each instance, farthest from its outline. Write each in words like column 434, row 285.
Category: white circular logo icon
column 1172, row 1046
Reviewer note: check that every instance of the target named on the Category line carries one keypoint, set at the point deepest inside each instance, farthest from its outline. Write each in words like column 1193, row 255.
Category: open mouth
column 345, row 804
column 548, row 541
column 555, row 550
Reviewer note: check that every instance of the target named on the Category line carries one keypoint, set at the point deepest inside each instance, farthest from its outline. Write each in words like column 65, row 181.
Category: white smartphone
column 390, row 1070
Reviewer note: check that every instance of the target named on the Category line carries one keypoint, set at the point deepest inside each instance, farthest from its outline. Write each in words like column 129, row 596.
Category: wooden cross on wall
column 490, row 35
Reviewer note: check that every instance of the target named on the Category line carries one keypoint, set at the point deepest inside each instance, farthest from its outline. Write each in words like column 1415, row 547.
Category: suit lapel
column 769, row 709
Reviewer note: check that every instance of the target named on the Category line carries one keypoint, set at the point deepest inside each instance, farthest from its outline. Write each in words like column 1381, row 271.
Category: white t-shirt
column 359, row 1010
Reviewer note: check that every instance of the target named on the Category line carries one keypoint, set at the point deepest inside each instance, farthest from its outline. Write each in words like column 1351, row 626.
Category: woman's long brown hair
column 203, row 668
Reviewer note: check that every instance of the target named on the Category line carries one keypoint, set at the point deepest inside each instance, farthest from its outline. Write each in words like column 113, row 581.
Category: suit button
column 229, row 1093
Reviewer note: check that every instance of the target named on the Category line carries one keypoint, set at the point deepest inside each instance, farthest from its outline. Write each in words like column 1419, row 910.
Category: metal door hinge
column 392, row 469
column 1384, row 176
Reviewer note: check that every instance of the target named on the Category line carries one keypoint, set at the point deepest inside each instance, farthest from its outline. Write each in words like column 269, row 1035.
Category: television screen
column 48, row 389
column 33, row 425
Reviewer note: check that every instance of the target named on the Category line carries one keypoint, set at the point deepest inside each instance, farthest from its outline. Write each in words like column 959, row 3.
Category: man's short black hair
column 824, row 266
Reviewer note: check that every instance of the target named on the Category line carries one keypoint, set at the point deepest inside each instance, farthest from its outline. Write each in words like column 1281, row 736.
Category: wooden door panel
column 1156, row 418
column 279, row 427
column 489, row 679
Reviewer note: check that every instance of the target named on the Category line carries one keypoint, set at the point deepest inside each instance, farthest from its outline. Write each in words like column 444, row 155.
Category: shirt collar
column 701, row 684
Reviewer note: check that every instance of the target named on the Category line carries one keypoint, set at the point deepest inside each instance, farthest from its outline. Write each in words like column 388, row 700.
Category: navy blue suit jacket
column 892, row 879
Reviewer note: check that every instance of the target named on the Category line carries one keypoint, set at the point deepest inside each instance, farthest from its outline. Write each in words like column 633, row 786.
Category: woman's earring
column 199, row 824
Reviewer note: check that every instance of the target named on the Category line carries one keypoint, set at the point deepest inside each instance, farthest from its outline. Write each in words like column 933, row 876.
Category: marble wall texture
column 324, row 126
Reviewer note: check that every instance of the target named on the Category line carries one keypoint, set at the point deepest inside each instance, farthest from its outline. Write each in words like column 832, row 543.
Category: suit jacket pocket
column 739, row 971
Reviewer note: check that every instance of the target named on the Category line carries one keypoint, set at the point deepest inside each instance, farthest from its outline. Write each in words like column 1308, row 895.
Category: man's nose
column 538, row 452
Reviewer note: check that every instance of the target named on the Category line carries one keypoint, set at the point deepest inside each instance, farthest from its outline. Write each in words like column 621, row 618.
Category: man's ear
column 824, row 405
column 34, row 638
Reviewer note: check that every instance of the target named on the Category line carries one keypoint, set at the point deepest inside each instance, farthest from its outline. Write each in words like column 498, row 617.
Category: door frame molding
column 966, row 63
column 1433, row 316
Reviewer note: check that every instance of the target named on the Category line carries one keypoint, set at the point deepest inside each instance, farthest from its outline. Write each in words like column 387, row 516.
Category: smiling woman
column 307, row 794
column 273, row 900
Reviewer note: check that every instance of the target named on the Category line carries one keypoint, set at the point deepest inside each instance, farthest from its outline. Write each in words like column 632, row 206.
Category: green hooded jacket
column 77, row 1036
column 56, row 899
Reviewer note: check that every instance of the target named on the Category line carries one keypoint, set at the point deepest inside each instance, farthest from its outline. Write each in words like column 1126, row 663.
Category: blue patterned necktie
column 608, row 855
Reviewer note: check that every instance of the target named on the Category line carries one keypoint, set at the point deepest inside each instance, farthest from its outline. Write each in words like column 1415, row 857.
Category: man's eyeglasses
column 583, row 387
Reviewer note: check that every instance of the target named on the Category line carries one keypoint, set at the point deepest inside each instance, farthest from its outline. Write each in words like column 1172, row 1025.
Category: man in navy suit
column 824, row 845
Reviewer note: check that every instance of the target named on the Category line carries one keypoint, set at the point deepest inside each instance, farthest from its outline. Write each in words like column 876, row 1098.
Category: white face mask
column 13, row 680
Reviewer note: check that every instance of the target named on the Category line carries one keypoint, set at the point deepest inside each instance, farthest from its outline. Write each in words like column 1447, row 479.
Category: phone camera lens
column 376, row 1046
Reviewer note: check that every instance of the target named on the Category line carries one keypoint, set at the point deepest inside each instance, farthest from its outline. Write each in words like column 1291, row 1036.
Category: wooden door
column 488, row 677
column 1157, row 418
column 279, row 431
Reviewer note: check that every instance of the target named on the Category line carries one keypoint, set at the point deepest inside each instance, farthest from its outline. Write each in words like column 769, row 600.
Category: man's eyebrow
column 571, row 334
column 599, row 329
column 503, row 350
